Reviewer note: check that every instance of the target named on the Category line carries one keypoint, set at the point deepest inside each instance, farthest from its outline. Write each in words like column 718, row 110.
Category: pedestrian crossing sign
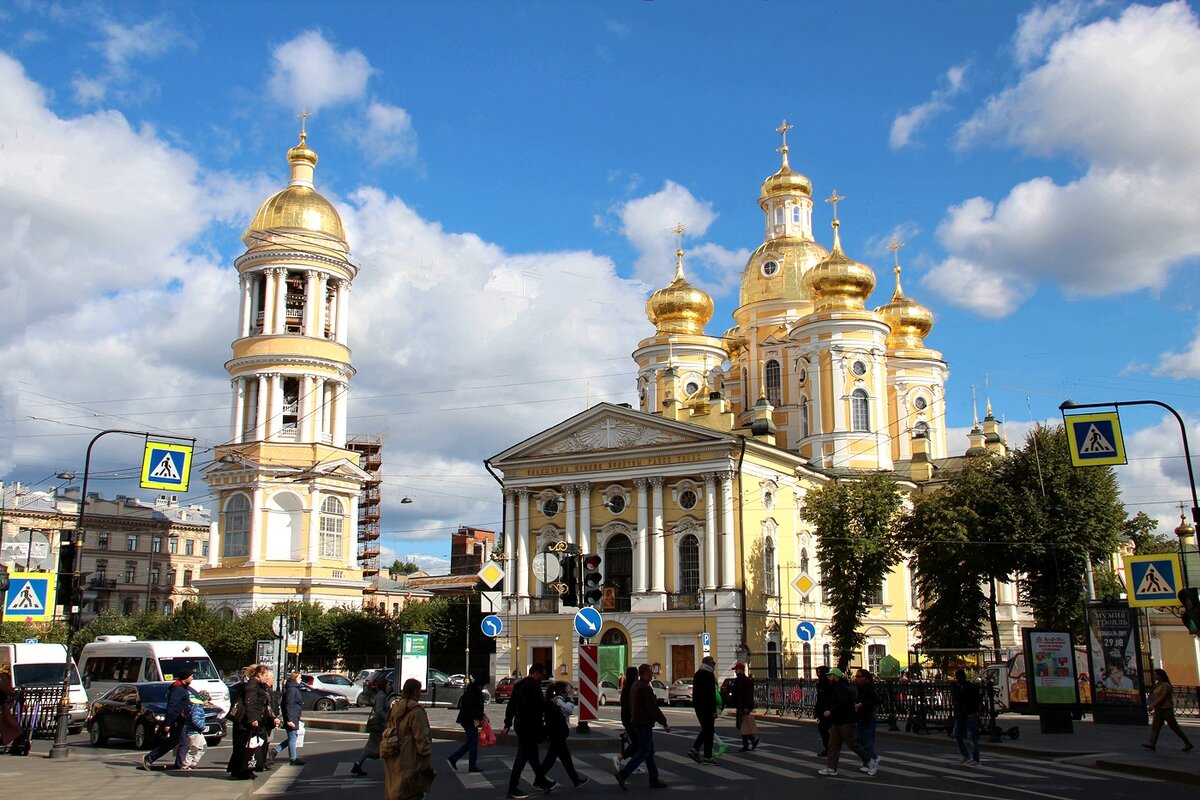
column 166, row 466
column 1095, row 439
column 30, row 596
column 1153, row 580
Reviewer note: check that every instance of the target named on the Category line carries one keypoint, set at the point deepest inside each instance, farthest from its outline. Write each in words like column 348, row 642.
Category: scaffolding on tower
column 370, row 457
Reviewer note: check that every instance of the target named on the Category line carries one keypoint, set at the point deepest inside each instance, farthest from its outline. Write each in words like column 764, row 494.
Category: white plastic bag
column 254, row 742
column 299, row 735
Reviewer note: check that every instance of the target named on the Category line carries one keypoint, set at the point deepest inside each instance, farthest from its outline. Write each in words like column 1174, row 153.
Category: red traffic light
column 591, row 563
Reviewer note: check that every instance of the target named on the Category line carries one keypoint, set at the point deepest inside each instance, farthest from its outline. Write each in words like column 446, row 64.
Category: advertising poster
column 414, row 659
column 1050, row 668
column 1113, row 662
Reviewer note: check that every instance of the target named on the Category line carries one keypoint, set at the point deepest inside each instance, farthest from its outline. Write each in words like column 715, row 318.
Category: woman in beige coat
column 407, row 747
column 1163, row 708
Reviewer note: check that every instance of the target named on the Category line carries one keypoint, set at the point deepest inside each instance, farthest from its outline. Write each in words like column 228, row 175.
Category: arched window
column 773, row 660
column 860, row 420
column 168, row 607
column 237, row 527
column 226, row 614
column 331, row 528
column 779, row 215
column 804, row 429
column 804, row 560
column 689, row 565
column 618, row 574
column 921, row 429
column 807, row 650
column 774, row 396
column 796, row 214
column 827, row 655
column 769, row 567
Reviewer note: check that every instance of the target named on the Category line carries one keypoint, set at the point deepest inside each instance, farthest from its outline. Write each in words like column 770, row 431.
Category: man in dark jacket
column 965, row 695
column 841, row 716
column 704, row 703
column 527, row 713
column 645, row 712
column 743, row 701
column 175, row 720
column 821, row 706
column 291, row 706
column 470, row 717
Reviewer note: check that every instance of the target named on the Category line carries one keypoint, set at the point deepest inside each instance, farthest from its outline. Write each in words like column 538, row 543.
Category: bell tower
column 285, row 485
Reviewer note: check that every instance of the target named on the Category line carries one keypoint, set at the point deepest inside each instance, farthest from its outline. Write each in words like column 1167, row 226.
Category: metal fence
column 36, row 710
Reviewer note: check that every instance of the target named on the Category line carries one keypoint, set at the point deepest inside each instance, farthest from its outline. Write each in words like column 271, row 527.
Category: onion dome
column 839, row 283
column 784, row 182
column 909, row 320
column 680, row 307
column 775, row 271
column 299, row 207
column 734, row 341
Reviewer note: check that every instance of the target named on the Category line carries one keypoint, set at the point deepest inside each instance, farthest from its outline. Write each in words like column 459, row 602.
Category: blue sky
column 507, row 173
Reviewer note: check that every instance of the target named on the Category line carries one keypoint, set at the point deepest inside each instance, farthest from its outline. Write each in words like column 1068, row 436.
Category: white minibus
column 125, row 659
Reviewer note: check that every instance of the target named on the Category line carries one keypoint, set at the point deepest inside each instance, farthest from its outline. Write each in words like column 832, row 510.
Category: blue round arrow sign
column 491, row 625
column 588, row 622
column 806, row 631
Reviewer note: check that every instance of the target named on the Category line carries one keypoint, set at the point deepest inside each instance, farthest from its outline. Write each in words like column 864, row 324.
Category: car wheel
column 142, row 736
column 96, row 735
column 324, row 704
column 603, row 700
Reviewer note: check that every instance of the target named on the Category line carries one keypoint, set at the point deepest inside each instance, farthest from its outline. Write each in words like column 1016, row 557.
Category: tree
column 399, row 567
column 1065, row 515
column 1140, row 528
column 857, row 545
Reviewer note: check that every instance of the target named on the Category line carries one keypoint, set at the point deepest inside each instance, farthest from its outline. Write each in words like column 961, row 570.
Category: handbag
column 389, row 745
column 487, row 736
column 749, row 725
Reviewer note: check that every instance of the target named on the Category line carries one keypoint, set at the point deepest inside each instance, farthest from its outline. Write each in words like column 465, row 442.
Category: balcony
column 102, row 584
column 683, row 601
column 543, row 605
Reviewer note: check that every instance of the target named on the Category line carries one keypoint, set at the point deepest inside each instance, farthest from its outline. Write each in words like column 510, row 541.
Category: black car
column 135, row 711
column 439, row 690
column 321, row 699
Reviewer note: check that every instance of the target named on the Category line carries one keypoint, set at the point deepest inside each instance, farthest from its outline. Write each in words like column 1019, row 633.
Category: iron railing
column 36, row 710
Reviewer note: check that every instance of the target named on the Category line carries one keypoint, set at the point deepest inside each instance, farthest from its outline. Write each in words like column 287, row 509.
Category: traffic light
column 570, row 576
column 1190, row 600
column 68, row 556
column 592, row 580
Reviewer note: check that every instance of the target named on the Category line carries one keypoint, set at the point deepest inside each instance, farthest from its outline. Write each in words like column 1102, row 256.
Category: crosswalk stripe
column 719, row 772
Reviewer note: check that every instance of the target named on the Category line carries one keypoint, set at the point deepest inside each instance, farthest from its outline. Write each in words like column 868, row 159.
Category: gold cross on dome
column 678, row 231
column 782, row 130
column 895, row 248
column 834, row 199
column 303, row 117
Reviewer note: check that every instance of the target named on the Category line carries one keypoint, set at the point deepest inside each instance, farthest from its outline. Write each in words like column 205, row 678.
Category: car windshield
column 41, row 675
column 202, row 668
column 153, row 692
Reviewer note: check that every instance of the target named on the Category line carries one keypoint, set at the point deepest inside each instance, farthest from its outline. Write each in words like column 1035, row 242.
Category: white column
column 268, row 309
column 523, row 544
column 710, row 532
column 569, row 490
column 660, row 535
column 275, row 418
column 342, row 405
column 256, row 524
column 244, row 317
column 321, row 307
column 326, row 406
column 639, row 547
column 314, row 527
column 350, row 538
column 260, row 420
column 585, row 517
column 238, row 410
column 727, row 554
column 280, row 301
column 342, row 311
column 312, row 304
column 214, row 552
column 510, row 535
column 304, row 410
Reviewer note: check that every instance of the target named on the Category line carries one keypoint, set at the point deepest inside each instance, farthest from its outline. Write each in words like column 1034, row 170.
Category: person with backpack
column 965, row 696
column 705, row 699
column 291, row 708
column 193, row 744
column 406, row 746
column 558, row 727
column 174, row 720
column 527, row 712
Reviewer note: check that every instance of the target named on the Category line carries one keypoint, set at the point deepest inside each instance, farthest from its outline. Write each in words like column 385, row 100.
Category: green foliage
column 1064, row 515
column 1140, row 529
column 858, row 543
column 399, row 567
column 49, row 632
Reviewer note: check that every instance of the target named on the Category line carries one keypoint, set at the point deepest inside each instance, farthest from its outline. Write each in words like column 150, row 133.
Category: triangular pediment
column 606, row 428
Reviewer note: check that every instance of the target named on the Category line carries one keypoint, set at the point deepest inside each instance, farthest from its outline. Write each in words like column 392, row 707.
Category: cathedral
column 692, row 500
column 286, row 485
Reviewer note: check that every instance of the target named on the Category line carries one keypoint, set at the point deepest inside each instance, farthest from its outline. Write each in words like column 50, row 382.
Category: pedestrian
column 865, row 710
column 820, row 706
column 704, row 703
column 193, row 744
column 1162, row 706
column 407, row 747
column 628, row 739
column 10, row 729
column 743, row 701
column 376, row 723
column 470, row 717
column 526, row 713
column 175, row 720
column 291, row 707
column 965, row 698
column 840, row 714
column 644, row 714
column 239, row 726
column 559, row 709
column 269, row 721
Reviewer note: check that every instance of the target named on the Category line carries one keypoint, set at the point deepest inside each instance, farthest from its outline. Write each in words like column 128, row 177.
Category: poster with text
column 1113, row 662
column 1050, row 667
column 414, row 659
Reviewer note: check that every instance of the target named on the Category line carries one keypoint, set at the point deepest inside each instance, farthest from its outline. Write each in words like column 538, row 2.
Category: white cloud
column 388, row 135
column 1038, row 28
column 1129, row 218
column 124, row 43
column 965, row 284
column 308, row 72
column 647, row 222
column 1155, row 480
column 1185, row 365
column 906, row 125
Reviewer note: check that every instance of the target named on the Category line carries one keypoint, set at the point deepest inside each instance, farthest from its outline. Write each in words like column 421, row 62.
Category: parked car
column 439, row 691
column 504, row 689
column 458, row 679
column 315, row 699
column 332, row 682
column 727, row 692
column 680, row 692
column 661, row 693
column 608, row 693
column 135, row 711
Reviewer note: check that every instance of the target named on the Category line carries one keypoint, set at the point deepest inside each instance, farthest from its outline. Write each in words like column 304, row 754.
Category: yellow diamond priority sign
column 804, row 584
column 491, row 574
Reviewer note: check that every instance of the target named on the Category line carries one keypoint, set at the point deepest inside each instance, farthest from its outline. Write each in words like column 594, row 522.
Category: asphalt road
column 784, row 764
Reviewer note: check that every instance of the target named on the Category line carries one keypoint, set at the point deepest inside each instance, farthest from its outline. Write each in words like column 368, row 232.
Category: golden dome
column 734, row 341
column 909, row 320
column 839, row 283
column 785, row 181
column 299, row 206
column 680, row 307
column 775, row 271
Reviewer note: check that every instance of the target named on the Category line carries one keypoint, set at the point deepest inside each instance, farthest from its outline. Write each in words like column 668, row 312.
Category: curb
column 1176, row 776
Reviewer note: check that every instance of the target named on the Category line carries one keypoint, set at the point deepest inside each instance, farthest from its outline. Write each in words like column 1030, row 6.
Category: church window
column 804, row 561
column 773, row 382
column 779, row 215
column 859, row 418
column 920, row 403
column 804, row 429
column 550, row 506
column 291, row 403
column 796, row 214
column 689, row 565
column 237, row 526
column 769, row 567
column 691, row 388
column 687, row 499
column 921, row 429
column 769, row 268
column 859, row 368
column 616, row 503
column 331, row 528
